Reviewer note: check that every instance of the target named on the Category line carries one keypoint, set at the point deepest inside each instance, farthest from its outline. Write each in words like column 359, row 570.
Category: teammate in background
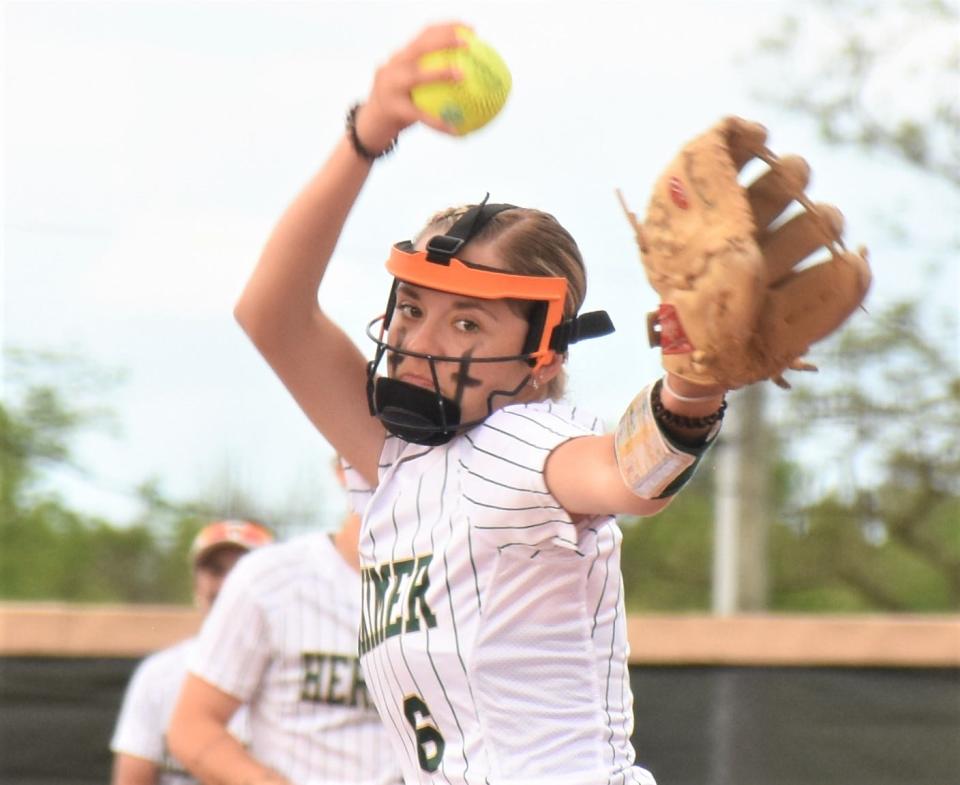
column 493, row 638
column 282, row 639
column 139, row 746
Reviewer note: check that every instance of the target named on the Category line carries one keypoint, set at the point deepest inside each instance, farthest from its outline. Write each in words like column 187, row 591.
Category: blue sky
column 148, row 149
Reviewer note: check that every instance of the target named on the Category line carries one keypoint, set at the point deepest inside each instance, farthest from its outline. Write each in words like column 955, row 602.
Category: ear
column 548, row 372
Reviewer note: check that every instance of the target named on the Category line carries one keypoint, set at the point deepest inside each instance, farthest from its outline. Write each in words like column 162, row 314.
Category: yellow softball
column 476, row 99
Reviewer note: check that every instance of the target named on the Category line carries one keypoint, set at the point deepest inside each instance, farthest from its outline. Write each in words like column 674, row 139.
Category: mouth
column 416, row 380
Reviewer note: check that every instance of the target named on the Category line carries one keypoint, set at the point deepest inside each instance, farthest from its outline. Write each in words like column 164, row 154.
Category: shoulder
column 540, row 426
column 506, row 453
column 503, row 484
column 547, row 417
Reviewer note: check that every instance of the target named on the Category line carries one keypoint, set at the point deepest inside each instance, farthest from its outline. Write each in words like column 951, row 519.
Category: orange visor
column 241, row 534
column 458, row 277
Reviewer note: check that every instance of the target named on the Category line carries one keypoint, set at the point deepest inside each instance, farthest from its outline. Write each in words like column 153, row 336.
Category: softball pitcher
column 492, row 639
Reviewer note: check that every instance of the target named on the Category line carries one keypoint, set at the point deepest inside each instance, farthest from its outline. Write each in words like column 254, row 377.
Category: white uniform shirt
column 282, row 637
column 147, row 706
column 493, row 636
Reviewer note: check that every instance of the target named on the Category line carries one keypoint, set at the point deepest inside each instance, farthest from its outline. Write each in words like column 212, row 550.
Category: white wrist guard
column 649, row 462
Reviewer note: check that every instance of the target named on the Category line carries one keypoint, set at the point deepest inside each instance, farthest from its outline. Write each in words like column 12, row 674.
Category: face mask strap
column 592, row 324
column 442, row 248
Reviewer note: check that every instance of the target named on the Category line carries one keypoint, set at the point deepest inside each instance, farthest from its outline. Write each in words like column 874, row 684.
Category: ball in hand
column 476, row 99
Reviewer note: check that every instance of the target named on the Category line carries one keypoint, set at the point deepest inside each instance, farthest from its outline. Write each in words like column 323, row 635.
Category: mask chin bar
column 420, row 415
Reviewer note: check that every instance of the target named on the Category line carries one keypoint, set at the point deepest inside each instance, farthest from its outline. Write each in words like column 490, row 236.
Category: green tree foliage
column 49, row 551
column 887, row 535
column 873, row 524
column 881, row 74
column 666, row 559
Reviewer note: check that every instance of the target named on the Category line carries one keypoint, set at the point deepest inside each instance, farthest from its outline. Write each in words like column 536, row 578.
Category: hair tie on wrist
column 664, row 415
column 358, row 146
column 687, row 398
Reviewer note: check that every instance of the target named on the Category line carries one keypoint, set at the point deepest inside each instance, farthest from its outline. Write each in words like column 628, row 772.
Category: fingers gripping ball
column 741, row 300
column 478, row 97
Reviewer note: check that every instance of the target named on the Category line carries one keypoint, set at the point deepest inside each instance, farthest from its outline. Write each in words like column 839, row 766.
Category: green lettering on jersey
column 395, row 600
column 332, row 678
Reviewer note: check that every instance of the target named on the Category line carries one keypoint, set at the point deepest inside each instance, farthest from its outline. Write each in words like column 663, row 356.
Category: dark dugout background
column 694, row 725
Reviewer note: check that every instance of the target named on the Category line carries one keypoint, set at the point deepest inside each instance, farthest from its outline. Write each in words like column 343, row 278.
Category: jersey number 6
column 430, row 742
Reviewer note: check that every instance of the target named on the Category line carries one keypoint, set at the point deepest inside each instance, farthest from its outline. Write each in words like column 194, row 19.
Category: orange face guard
column 426, row 416
column 484, row 283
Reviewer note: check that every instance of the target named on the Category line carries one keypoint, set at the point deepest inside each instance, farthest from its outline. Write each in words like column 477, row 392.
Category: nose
column 422, row 337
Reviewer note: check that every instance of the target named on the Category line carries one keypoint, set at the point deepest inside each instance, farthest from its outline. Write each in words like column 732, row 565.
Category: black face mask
column 421, row 415
column 413, row 413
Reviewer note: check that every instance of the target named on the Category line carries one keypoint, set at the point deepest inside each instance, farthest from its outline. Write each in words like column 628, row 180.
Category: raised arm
column 278, row 309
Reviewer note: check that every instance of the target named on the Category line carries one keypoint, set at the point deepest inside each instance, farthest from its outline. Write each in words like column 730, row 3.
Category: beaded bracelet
column 358, row 146
column 664, row 415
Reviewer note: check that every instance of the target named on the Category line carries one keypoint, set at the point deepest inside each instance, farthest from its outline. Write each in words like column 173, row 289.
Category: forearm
column 663, row 435
column 215, row 757
column 133, row 770
column 199, row 738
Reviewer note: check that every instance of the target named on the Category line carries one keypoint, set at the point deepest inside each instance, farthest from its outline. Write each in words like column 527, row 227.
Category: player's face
column 439, row 323
column 209, row 574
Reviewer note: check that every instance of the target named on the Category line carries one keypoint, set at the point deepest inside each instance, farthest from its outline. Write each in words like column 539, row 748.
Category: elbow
column 259, row 325
column 247, row 315
column 273, row 327
column 643, row 507
column 653, row 506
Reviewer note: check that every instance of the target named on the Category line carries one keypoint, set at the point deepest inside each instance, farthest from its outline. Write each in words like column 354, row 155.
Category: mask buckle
column 442, row 247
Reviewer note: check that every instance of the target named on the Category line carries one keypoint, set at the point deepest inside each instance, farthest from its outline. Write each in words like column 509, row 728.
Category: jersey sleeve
column 233, row 648
column 359, row 491
column 139, row 729
column 505, row 495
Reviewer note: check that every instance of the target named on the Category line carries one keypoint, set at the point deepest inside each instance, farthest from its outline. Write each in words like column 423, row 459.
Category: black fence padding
column 56, row 718
column 798, row 726
column 694, row 726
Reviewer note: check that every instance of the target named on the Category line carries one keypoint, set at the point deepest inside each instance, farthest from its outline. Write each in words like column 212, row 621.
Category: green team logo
column 395, row 600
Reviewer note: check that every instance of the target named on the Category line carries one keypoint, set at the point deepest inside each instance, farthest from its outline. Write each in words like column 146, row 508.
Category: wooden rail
column 67, row 630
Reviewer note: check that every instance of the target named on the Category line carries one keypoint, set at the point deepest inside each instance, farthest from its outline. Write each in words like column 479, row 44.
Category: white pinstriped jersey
column 148, row 704
column 493, row 636
column 282, row 637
